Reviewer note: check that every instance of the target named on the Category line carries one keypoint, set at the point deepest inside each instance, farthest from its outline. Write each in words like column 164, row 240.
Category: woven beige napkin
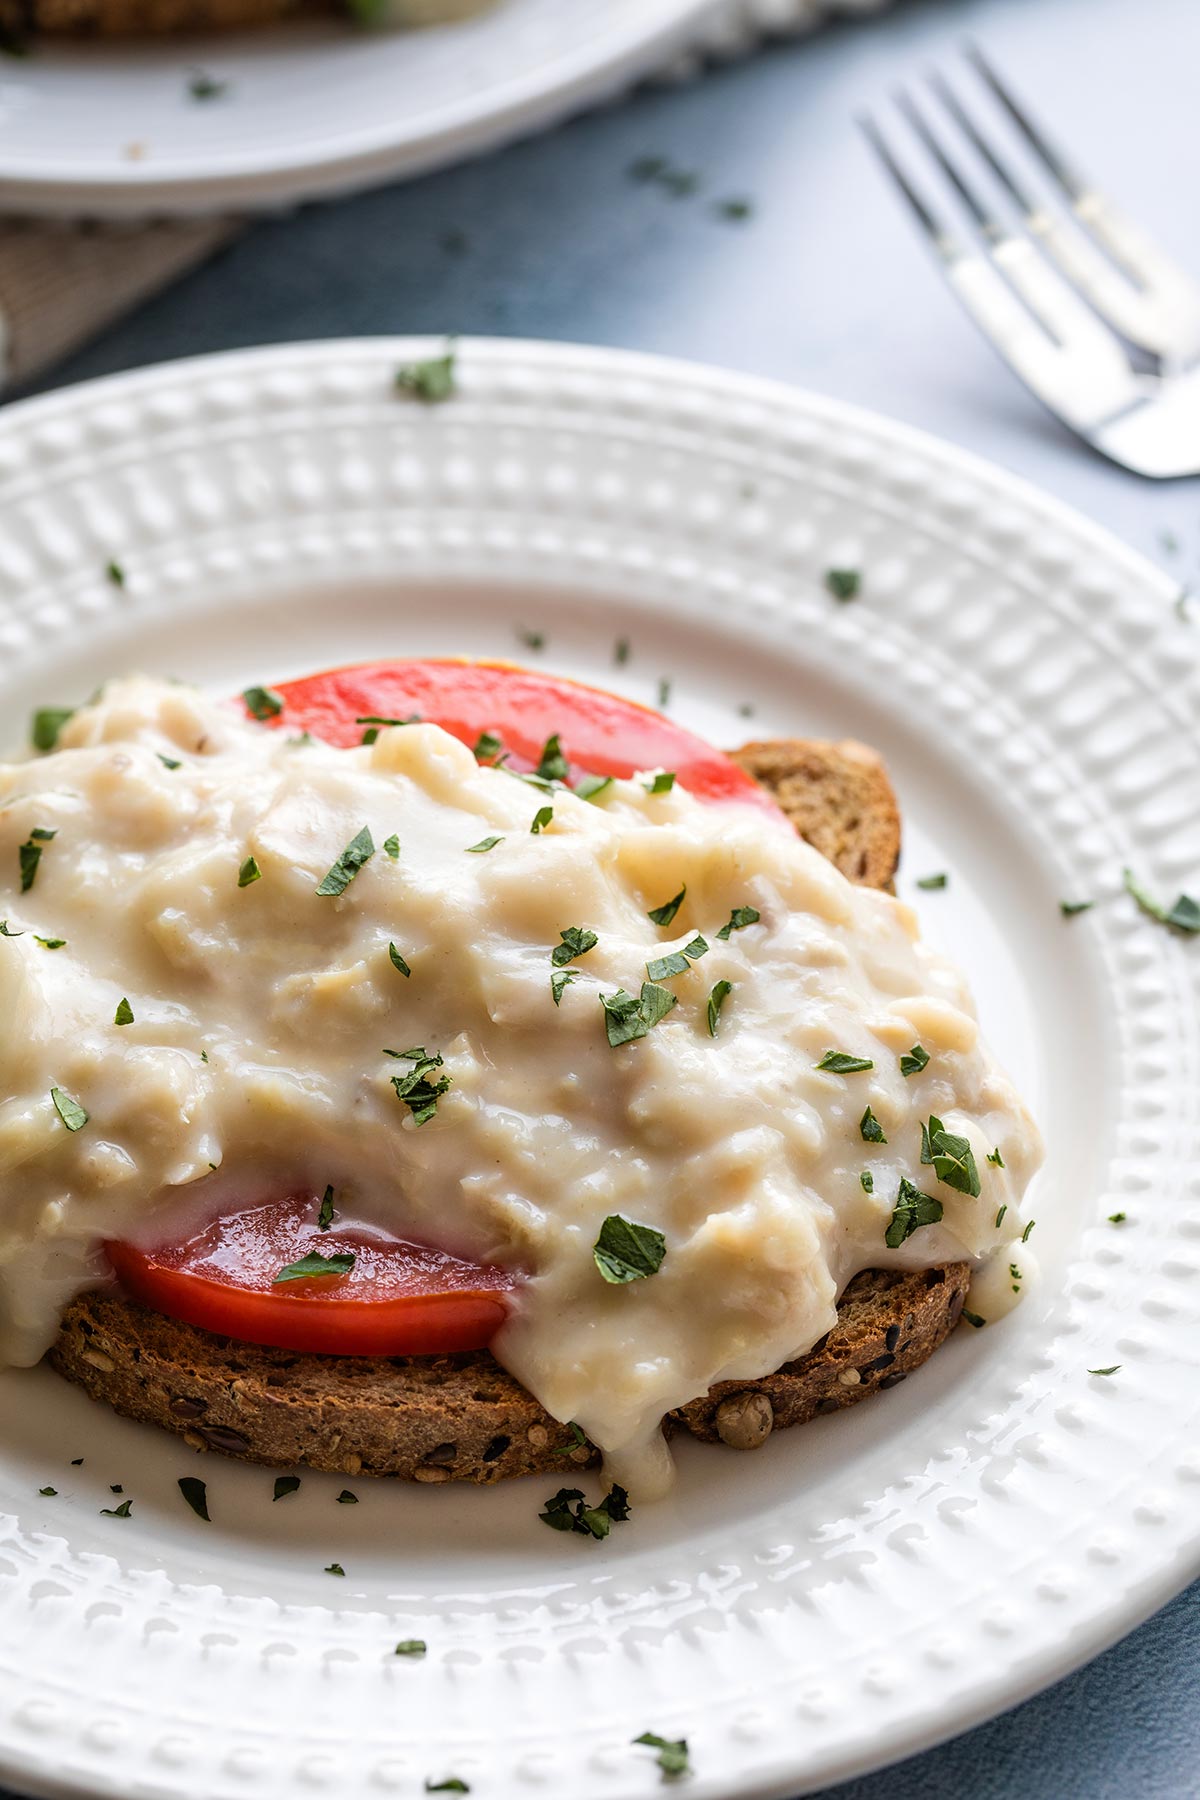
column 62, row 283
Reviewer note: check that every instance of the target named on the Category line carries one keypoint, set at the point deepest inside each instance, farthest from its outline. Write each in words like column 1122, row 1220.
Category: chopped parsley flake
column 973, row 1319
column 483, row 846
column 843, row 584
column 621, row 651
column 1113, row 1369
column 672, row 1752
column 578, row 1440
column 663, row 967
column 431, row 380
column 1027, row 1230
column 739, row 918
column 5, row 932
column 560, row 979
column 380, row 722
column 50, row 943
column 995, row 1158
column 870, row 1130
column 1071, row 908
column 262, row 703
column 532, row 640
column 626, row 1251
column 48, row 721
column 314, row 1264
column 577, row 940
column 116, row 1512
column 285, row 1485
column 325, row 1216
column 391, row 847
column 203, row 86
column 662, row 783
column 716, row 1001
column 397, row 961
column 195, row 1492
column 541, row 819
column 418, row 1092
column 334, row 1569
column 913, row 1209
column 249, row 872
column 73, row 1116
column 453, row 1784
column 664, row 691
column 123, row 1014
column 568, row 1511
column 1000, row 1214
column 358, row 851
column 552, row 764
column 1117, row 1218
column 840, row 1062
column 914, row 1061
column 627, row 1018
column 664, row 914
column 1184, row 915
column 168, row 762
column 590, row 787
column 115, row 574
column 346, row 1498
column 487, row 746
column 932, row 882
column 29, row 854
column 736, row 210
column 951, row 1157
column 868, row 1181
column 410, row 1647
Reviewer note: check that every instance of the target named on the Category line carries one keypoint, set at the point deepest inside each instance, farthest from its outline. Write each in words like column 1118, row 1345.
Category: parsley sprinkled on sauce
column 1113, row 1369
column 914, row 1060
column 932, row 882
column 995, row 1158
column 115, row 574
column 380, row 723
column 1117, row 1218
column 325, row 1216
column 621, row 652
column 913, row 1209
column 123, row 1014
column 1016, row 1277
column 168, row 762
column 29, row 854
column 577, row 940
column 870, row 1130
column 951, row 1157
column 73, row 1116
column 262, row 703
column 1070, row 909
column 432, row 380
column 397, row 961
column 203, row 86
column 627, row 1018
column 1184, row 915
column 578, row 1440
column 973, row 1319
column 541, row 819
column 840, row 1062
column 1027, row 1230
column 50, row 943
column 664, row 692
column 334, row 1569
column 308, row 1267
column 843, row 584
column 483, row 846
column 553, row 764
column 195, row 1492
column 672, row 1752
column 48, row 721
column 568, row 1511
column 346, row 1498
column 739, row 918
column 662, row 783
column 560, row 979
column 417, row 1090
column 626, row 1251
column 391, row 847
column 678, row 961
column 487, row 746
column 664, row 914
column 358, row 851
column 5, row 931
column 590, row 787
column 868, row 1181
column 285, row 1485
column 453, row 1784
column 249, row 872
column 716, row 1001
column 116, row 1512
column 410, row 1647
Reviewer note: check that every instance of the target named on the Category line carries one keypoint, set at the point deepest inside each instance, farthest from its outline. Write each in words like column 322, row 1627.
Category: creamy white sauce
column 743, row 1154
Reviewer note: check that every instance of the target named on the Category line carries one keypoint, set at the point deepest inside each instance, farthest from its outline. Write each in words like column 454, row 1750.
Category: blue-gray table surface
column 823, row 284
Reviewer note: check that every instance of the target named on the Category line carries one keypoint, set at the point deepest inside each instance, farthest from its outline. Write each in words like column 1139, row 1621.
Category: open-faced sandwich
column 20, row 19
column 442, row 1070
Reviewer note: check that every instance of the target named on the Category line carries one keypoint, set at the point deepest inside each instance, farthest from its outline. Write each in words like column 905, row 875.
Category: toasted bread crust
column 461, row 1417
column 838, row 797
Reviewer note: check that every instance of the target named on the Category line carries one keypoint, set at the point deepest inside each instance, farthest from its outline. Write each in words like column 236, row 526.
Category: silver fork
column 1098, row 321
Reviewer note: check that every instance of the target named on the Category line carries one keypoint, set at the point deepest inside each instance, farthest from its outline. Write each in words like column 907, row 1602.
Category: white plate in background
column 874, row 1581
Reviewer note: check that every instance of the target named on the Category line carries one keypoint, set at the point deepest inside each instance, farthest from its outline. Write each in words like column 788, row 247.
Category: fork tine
column 986, row 221
column 942, row 239
column 1072, row 184
column 1000, row 169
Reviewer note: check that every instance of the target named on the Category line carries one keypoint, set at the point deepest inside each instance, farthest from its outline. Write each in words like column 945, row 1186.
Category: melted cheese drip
column 736, row 1147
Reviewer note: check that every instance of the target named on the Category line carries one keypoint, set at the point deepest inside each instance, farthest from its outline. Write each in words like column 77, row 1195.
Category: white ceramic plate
column 858, row 1588
column 310, row 109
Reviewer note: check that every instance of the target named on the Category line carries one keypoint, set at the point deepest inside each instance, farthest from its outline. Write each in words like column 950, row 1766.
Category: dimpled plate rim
column 1022, row 1518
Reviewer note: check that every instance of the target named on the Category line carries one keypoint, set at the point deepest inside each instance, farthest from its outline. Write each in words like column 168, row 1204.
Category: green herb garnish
column 716, row 1001
column 739, row 918
column 1070, row 908
column 626, row 1251
column 5, row 932
column 995, row 1158
column 590, row 787
column 358, row 851
column 249, row 872
column 951, row 1157
column 285, row 1485
column 931, row 882
column 577, row 940
column 334, row 1569
column 73, row 1116
column 627, row 1018
column 29, row 854
column 419, row 1093
column 262, row 703
column 48, row 721
column 578, row 1440
column 487, row 746
column 532, row 640
column 115, row 573
column 314, row 1264
column 870, row 1130
column 541, row 819
column 973, row 1319
column 664, row 691
column 662, row 783
column 913, row 1209
column 410, row 1647
column 203, row 86
column 453, row 1784
column 840, row 1062
column 431, row 380
column 325, row 1215
column 569, row 1511
column 663, row 915
column 552, row 764
column 195, row 1492
column 47, row 1493
column 621, row 651
column 914, row 1061
column 672, row 1752
column 123, row 1014
column 168, row 762
column 1112, row 1370
column 1027, row 1230
column 560, row 979
column 50, row 943
column 346, row 1498
column 677, row 962
column 391, row 847
column 483, row 846
column 116, row 1512
column 867, row 1182
column 1184, row 915
column 397, row 961
column 1117, row 1218
column 843, row 584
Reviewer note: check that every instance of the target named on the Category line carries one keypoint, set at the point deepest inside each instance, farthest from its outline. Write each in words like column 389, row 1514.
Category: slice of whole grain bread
column 462, row 1417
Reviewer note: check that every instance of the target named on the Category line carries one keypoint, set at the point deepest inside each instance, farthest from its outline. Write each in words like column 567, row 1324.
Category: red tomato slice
column 399, row 1298
column 601, row 733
